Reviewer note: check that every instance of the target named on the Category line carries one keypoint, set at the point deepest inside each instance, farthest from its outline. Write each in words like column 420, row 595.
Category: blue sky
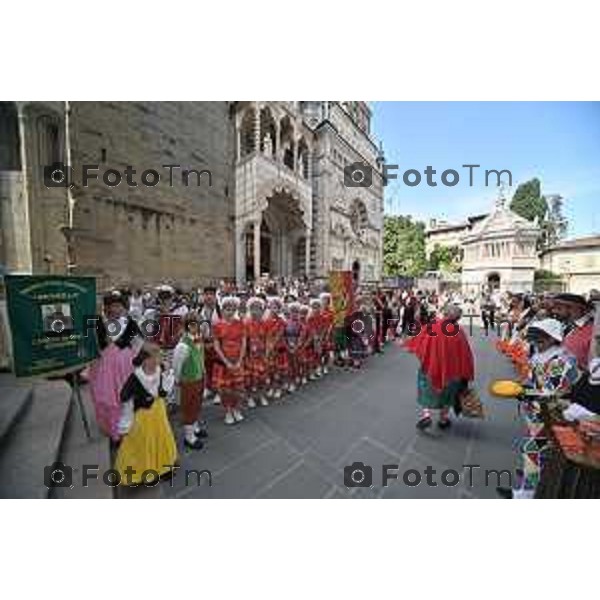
column 558, row 142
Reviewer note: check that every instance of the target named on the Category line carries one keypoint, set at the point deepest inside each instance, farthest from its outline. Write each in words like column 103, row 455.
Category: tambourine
column 506, row 388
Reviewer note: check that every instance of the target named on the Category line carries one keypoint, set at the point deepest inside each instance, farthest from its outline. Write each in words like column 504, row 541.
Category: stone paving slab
column 298, row 447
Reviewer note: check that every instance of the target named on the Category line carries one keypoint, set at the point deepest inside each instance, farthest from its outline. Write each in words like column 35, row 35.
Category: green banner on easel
column 51, row 320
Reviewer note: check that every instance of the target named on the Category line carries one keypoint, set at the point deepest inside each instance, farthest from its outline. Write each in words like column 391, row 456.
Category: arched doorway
column 284, row 229
column 493, row 281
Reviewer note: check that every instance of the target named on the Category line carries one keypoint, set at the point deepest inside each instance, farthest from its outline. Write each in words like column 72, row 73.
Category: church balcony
column 259, row 177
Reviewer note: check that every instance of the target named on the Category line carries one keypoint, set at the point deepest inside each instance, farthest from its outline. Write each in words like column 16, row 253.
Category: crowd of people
column 550, row 340
column 164, row 352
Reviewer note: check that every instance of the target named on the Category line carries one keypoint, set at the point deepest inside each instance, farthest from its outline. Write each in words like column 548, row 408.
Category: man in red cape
column 447, row 366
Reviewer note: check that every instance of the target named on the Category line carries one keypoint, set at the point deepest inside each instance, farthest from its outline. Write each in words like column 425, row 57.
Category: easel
column 73, row 380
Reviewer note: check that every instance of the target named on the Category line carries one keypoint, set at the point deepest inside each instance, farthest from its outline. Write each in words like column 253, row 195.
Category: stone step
column 78, row 450
column 15, row 398
column 35, row 441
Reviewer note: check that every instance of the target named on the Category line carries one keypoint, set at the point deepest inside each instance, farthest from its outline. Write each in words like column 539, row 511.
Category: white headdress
column 255, row 301
column 233, row 301
column 294, row 306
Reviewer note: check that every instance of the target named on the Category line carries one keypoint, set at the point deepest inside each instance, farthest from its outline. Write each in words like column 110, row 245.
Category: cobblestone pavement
column 298, row 447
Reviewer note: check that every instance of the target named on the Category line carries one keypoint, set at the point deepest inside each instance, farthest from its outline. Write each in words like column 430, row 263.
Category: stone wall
column 130, row 235
column 179, row 233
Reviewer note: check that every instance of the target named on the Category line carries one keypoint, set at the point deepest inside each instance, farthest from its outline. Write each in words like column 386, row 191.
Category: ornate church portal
column 294, row 216
column 280, row 248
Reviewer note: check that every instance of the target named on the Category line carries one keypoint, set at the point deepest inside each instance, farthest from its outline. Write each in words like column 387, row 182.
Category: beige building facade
column 444, row 234
column 577, row 262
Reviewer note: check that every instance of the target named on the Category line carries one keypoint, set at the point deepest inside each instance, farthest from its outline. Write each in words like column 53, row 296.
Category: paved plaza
column 298, row 448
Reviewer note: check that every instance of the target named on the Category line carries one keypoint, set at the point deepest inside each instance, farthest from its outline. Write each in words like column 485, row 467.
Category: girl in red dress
column 293, row 336
column 277, row 354
column 256, row 356
column 230, row 347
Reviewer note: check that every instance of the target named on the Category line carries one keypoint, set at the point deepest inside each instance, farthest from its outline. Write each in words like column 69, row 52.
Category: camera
column 359, row 324
column 58, row 324
column 58, row 475
column 358, row 475
column 358, row 175
column 58, row 175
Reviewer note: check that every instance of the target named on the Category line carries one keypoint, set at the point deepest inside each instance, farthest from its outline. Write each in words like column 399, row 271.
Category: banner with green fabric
column 51, row 322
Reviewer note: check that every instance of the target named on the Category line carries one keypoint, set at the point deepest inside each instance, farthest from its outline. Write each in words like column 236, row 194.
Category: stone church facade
column 499, row 249
column 500, row 252
column 276, row 202
column 294, row 214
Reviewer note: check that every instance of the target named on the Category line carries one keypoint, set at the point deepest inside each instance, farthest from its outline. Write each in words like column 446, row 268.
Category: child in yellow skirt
column 148, row 449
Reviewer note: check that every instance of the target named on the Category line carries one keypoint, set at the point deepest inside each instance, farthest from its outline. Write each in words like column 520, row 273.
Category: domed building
column 500, row 252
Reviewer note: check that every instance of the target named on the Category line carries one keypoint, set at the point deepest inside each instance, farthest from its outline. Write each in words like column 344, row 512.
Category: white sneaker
column 251, row 403
column 217, row 399
column 270, row 393
column 277, row 394
column 291, row 388
column 325, row 370
column 304, row 381
column 206, row 394
column 237, row 415
column 264, row 401
column 311, row 377
column 229, row 420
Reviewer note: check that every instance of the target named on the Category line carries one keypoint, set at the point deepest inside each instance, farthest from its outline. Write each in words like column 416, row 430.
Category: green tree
column 528, row 201
column 403, row 246
column 445, row 258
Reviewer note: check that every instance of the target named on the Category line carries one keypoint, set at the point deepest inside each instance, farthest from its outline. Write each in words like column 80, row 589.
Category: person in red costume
column 446, row 366
column 230, row 347
column 256, row 354
column 277, row 356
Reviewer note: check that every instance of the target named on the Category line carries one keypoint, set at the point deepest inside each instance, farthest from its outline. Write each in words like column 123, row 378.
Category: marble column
column 240, row 253
column 307, row 255
column 256, row 129
column 257, row 250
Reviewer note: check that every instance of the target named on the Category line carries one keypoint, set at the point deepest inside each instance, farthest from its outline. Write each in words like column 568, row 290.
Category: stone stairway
column 39, row 425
